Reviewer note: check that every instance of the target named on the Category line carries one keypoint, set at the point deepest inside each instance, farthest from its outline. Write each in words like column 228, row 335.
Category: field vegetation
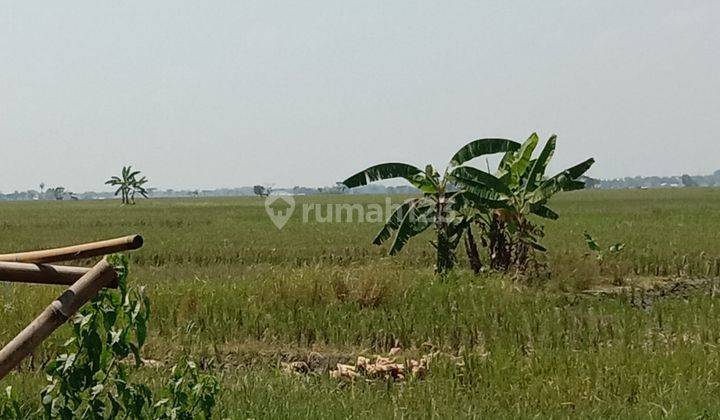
column 632, row 334
column 464, row 196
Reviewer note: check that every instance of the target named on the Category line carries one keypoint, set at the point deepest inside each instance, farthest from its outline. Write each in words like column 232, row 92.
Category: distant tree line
column 62, row 193
column 684, row 180
column 51, row 193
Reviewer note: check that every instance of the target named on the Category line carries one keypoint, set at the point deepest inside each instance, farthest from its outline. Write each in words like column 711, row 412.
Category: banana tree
column 138, row 187
column 523, row 190
column 128, row 185
column 442, row 205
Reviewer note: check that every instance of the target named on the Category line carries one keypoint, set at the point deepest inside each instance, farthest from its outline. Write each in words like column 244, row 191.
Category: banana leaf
column 564, row 181
column 522, row 160
column 384, row 171
column 538, row 168
column 544, row 212
column 470, row 176
column 418, row 218
column 393, row 222
column 482, row 147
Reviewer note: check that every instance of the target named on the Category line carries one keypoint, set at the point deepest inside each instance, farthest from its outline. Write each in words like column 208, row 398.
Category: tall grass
column 240, row 296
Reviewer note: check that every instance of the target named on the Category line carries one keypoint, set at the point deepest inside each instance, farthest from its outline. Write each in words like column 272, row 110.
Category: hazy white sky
column 217, row 93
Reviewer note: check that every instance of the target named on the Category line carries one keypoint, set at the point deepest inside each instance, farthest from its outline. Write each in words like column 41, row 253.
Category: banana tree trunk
column 472, row 251
column 500, row 248
column 445, row 260
column 522, row 249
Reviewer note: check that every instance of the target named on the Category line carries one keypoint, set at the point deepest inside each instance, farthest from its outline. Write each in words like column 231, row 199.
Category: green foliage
column 464, row 196
column 128, row 185
column 386, row 171
column 442, row 204
column 482, row 147
column 599, row 251
column 226, row 288
column 415, row 215
column 89, row 379
column 520, row 190
column 607, row 257
column 10, row 407
column 92, row 379
column 191, row 394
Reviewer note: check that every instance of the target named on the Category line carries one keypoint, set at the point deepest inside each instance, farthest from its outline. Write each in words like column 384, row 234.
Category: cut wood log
column 54, row 315
column 76, row 252
column 45, row 274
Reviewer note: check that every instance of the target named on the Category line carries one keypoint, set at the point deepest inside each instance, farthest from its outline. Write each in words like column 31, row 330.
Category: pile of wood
column 381, row 368
column 368, row 368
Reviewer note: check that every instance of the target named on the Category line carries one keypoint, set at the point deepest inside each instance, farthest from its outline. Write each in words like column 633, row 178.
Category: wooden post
column 76, row 252
column 45, row 274
column 54, row 315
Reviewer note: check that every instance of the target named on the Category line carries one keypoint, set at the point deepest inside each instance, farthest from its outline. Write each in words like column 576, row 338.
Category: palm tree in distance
column 128, row 185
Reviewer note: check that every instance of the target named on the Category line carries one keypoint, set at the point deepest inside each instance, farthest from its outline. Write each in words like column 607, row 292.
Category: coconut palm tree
column 128, row 185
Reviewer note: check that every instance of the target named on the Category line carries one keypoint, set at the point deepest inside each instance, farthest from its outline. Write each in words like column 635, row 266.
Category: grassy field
column 240, row 296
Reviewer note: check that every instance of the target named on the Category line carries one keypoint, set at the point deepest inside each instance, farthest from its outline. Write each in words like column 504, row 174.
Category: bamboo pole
column 59, row 311
column 45, row 274
column 76, row 252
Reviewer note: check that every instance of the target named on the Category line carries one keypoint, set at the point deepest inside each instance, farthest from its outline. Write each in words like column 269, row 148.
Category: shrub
column 92, row 379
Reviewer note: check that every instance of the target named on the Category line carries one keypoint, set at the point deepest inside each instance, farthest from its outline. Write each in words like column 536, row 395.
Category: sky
column 227, row 93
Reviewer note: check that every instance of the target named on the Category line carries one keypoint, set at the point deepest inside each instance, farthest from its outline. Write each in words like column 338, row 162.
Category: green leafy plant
column 128, row 185
column 190, row 394
column 11, row 408
column 464, row 196
column 600, row 253
column 606, row 256
column 89, row 377
column 520, row 190
column 442, row 205
column 92, row 378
